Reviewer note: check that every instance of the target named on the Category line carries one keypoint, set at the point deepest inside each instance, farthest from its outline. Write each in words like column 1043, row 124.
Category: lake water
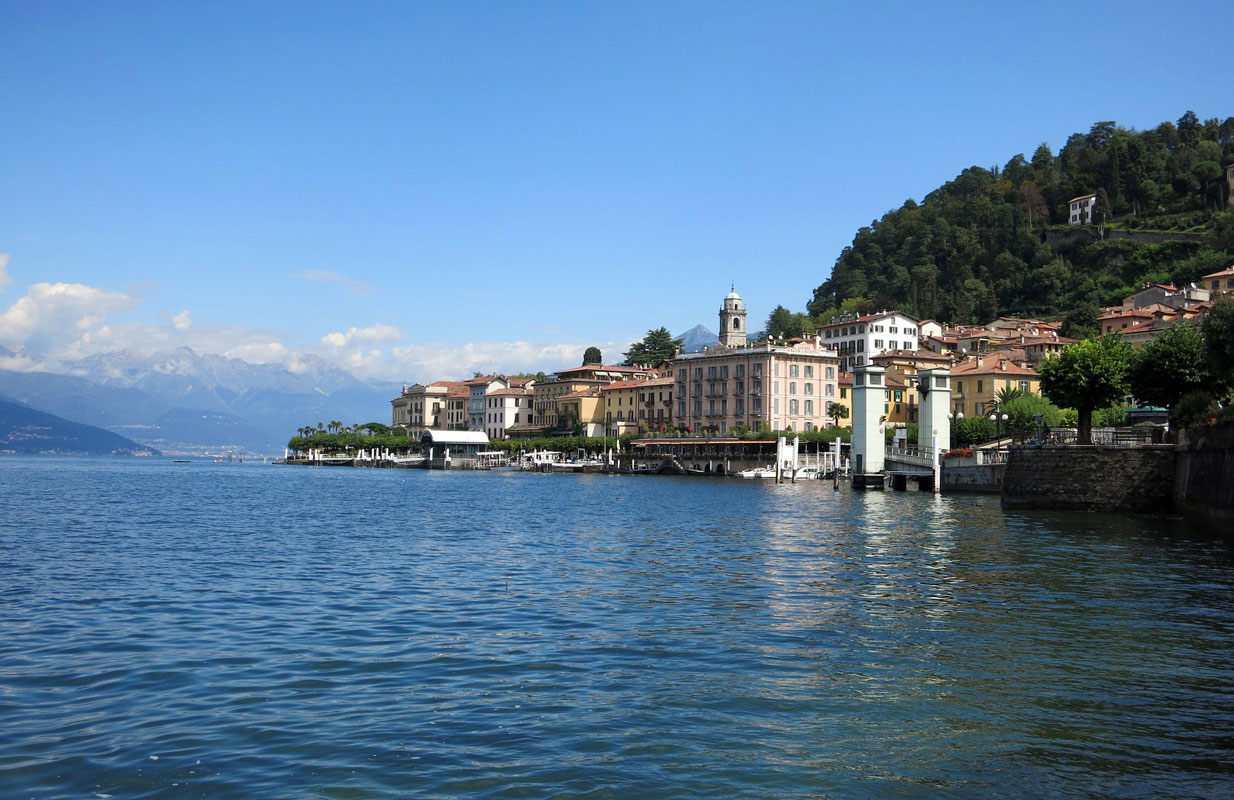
column 240, row 631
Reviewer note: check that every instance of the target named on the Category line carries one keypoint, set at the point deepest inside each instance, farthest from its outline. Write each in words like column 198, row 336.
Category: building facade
column 505, row 408
column 760, row 387
column 548, row 395
column 422, row 407
column 975, row 384
column 858, row 339
column 1081, row 209
column 638, row 406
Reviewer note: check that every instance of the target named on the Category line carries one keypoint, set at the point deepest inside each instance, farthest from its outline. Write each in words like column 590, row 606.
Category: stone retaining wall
column 1091, row 478
column 1204, row 478
column 987, row 478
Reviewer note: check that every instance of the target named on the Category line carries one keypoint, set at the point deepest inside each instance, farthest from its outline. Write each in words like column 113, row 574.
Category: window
column 809, row 408
column 681, row 408
column 711, row 373
column 681, row 375
column 809, row 387
column 739, row 405
column 739, row 371
column 830, row 390
column 843, row 392
column 908, row 345
column 756, row 369
column 809, row 370
column 723, row 372
column 893, row 329
column 698, row 373
column 711, row 407
column 698, row 408
column 979, row 387
column 792, row 370
column 878, row 343
column 831, row 373
column 1024, row 387
column 792, row 407
column 775, row 387
column 756, row 405
column 741, row 387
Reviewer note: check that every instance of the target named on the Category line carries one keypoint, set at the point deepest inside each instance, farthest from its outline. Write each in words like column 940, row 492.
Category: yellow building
column 975, row 384
column 1219, row 282
column 583, row 407
column 548, row 395
column 638, row 405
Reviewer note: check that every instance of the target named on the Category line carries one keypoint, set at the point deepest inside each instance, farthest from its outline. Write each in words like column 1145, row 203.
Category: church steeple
column 733, row 320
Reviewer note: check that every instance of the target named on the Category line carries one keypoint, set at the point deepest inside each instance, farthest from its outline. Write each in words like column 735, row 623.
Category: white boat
column 809, row 472
column 413, row 460
column 757, row 472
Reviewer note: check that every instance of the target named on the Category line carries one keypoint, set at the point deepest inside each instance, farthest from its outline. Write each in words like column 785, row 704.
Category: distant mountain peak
column 698, row 337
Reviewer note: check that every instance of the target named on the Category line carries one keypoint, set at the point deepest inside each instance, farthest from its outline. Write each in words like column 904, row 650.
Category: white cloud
column 182, row 321
column 53, row 316
column 353, row 286
column 374, row 334
column 5, row 278
column 21, row 363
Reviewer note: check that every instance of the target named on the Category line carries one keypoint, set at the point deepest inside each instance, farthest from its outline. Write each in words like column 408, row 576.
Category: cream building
column 504, row 408
column 422, row 407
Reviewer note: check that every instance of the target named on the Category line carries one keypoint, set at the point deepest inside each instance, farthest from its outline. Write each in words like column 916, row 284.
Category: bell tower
column 733, row 320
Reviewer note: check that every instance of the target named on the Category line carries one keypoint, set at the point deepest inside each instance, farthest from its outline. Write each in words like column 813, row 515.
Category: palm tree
column 1007, row 394
column 321, row 426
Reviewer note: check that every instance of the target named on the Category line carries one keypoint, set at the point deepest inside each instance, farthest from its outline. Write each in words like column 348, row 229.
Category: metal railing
column 1111, row 437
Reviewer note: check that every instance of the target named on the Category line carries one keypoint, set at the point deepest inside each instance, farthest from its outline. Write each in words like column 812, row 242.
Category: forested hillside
column 977, row 246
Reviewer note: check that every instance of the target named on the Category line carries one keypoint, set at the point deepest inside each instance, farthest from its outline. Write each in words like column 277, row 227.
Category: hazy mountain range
column 27, row 430
column 185, row 402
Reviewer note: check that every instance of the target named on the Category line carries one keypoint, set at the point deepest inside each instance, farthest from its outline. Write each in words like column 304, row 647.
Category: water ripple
column 240, row 631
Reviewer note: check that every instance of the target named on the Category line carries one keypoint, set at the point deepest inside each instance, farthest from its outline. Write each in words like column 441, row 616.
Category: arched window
column 736, row 324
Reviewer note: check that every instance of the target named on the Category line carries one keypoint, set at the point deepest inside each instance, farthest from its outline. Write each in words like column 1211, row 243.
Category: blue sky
column 420, row 190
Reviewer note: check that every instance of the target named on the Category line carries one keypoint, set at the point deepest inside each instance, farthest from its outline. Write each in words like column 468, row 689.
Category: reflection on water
column 240, row 631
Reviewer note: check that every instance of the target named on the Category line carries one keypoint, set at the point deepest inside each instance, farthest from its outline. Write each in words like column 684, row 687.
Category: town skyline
column 415, row 192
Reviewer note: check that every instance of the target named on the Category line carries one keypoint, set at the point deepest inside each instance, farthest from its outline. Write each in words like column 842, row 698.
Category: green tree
column 837, row 411
column 1219, row 345
column 593, row 356
column 1081, row 321
column 1170, row 366
column 1086, row 376
column 784, row 324
column 658, row 345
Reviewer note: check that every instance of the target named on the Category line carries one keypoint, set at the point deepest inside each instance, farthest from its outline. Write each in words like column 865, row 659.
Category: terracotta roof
column 1135, row 312
column 1082, row 197
column 598, row 368
column 452, row 386
column 869, row 318
column 991, row 366
column 912, row 355
column 636, row 384
column 1227, row 272
column 592, row 392
column 512, row 392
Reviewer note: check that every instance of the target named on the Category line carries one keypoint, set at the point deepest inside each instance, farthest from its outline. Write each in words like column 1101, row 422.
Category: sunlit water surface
column 240, row 631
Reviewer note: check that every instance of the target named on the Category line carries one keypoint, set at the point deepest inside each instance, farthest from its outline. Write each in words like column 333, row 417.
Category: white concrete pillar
column 869, row 400
column 934, row 391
